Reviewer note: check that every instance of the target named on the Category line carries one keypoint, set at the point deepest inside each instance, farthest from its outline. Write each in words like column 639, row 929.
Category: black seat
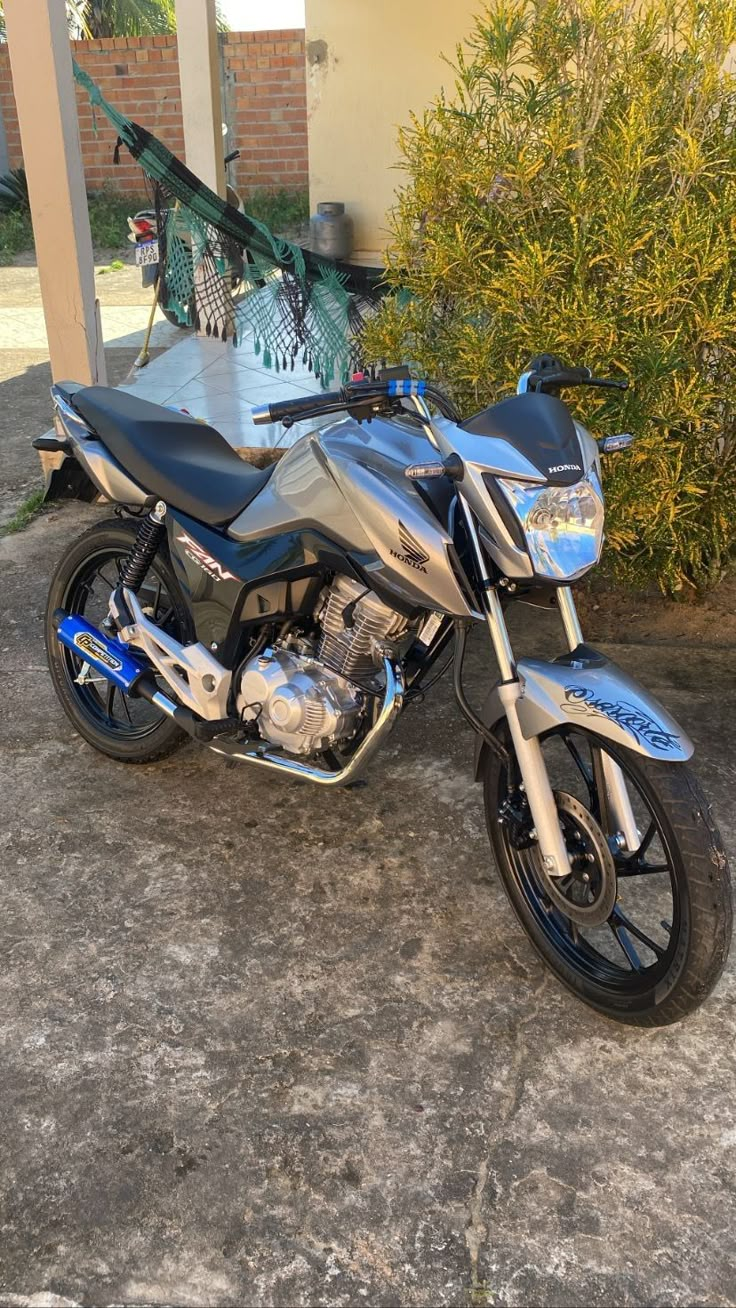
column 184, row 462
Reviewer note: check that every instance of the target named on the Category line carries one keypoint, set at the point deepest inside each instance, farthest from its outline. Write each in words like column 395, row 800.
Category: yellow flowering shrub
column 576, row 193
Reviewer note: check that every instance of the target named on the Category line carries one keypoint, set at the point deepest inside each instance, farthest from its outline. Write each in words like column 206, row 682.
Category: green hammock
column 299, row 306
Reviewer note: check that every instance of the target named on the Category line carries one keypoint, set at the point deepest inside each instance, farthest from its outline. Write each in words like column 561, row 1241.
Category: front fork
column 615, row 802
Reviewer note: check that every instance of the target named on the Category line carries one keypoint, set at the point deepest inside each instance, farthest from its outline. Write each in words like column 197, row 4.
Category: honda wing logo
column 411, row 552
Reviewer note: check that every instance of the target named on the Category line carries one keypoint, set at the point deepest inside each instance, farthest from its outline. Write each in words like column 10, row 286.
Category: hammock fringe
column 296, row 304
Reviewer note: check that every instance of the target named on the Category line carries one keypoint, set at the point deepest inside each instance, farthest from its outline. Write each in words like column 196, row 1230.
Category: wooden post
column 199, row 78
column 43, row 82
column 201, row 111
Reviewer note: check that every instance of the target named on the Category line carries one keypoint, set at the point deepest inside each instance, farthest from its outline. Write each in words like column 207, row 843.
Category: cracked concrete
column 267, row 1045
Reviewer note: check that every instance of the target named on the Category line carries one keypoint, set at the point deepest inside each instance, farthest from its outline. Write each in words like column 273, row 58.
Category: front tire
column 664, row 946
column 127, row 730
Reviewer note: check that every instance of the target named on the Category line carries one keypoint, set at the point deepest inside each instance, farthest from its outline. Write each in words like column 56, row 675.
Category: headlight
column 562, row 525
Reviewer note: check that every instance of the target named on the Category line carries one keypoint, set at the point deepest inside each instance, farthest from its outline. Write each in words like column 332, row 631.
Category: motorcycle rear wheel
column 125, row 729
column 662, row 949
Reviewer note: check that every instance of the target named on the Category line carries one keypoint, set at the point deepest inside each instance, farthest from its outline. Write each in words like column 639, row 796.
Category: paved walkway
column 263, row 1044
column 267, row 1045
column 212, row 380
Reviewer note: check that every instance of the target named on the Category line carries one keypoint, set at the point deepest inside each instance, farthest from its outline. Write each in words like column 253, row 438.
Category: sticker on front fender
column 603, row 698
column 583, row 701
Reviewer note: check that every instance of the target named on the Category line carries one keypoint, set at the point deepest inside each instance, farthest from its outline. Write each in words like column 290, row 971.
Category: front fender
column 593, row 694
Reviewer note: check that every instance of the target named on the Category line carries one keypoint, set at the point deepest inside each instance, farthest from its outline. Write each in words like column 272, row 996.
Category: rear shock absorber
column 143, row 552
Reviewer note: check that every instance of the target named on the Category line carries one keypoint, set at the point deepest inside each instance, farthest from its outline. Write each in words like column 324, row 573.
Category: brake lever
column 609, row 383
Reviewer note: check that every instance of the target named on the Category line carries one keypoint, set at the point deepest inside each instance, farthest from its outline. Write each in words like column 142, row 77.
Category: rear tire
column 150, row 735
column 671, row 983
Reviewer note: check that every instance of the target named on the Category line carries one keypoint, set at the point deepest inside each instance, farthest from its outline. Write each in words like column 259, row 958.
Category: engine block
column 297, row 703
column 354, row 623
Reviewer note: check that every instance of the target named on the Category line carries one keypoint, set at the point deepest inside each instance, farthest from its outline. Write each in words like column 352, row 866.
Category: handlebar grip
column 304, row 406
column 575, row 377
column 355, row 396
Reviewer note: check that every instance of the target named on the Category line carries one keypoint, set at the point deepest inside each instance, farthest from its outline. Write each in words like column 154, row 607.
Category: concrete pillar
column 40, row 60
column 199, row 77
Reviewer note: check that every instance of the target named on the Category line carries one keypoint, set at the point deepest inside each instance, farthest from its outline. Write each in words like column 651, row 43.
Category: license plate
column 146, row 252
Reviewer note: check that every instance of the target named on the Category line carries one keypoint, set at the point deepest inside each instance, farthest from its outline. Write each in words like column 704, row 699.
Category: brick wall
column 263, row 75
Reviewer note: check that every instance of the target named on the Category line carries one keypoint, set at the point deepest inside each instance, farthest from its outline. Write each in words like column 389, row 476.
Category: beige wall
column 369, row 63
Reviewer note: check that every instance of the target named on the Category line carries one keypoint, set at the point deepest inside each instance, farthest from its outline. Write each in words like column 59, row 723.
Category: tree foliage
column 101, row 18
column 577, row 194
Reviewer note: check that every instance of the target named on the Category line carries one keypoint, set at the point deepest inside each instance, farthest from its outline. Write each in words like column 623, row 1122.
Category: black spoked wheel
column 640, row 933
column 127, row 729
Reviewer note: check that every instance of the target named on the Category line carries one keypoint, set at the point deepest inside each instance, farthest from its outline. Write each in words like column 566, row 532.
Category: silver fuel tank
column 348, row 482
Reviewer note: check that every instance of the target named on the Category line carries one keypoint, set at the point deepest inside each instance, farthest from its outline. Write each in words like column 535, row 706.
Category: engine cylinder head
column 354, row 624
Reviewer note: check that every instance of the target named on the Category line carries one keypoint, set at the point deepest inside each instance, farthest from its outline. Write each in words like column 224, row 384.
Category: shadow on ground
column 272, row 1046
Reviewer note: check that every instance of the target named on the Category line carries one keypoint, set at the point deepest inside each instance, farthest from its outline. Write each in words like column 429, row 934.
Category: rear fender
column 594, row 695
column 102, row 470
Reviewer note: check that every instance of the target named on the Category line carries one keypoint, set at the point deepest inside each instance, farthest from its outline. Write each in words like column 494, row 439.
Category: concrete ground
column 266, row 1045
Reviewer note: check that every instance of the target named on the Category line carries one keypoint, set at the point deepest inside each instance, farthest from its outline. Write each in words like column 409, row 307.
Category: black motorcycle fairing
column 186, row 463
column 233, row 587
column 538, row 426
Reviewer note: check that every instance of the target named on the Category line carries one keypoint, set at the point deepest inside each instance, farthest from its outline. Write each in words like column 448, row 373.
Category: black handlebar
column 305, row 406
column 367, row 399
column 550, row 375
column 363, row 398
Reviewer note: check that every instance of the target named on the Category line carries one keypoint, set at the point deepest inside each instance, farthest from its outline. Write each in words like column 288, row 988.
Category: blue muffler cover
column 104, row 653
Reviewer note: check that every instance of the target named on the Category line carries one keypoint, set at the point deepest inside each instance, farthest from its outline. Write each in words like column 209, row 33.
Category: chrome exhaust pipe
column 116, row 662
column 390, row 709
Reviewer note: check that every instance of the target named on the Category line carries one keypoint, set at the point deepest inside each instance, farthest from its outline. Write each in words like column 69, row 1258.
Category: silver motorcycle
column 285, row 617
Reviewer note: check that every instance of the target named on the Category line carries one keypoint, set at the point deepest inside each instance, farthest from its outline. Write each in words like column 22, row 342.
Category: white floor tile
column 221, row 384
column 145, row 389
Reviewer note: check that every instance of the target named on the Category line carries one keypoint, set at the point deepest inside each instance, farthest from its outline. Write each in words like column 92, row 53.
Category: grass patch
column 114, row 266
column 28, row 510
column 283, row 211
column 108, row 216
column 108, row 220
column 16, row 234
column 280, row 210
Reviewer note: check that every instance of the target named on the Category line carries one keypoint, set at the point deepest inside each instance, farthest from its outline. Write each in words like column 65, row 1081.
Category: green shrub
column 16, row 234
column 281, row 210
column 108, row 216
column 14, row 192
column 577, row 194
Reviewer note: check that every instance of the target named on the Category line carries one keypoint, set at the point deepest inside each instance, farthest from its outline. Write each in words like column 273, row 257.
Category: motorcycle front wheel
column 661, row 948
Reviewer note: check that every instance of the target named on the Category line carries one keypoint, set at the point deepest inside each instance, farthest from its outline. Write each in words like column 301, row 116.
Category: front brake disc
column 587, row 894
